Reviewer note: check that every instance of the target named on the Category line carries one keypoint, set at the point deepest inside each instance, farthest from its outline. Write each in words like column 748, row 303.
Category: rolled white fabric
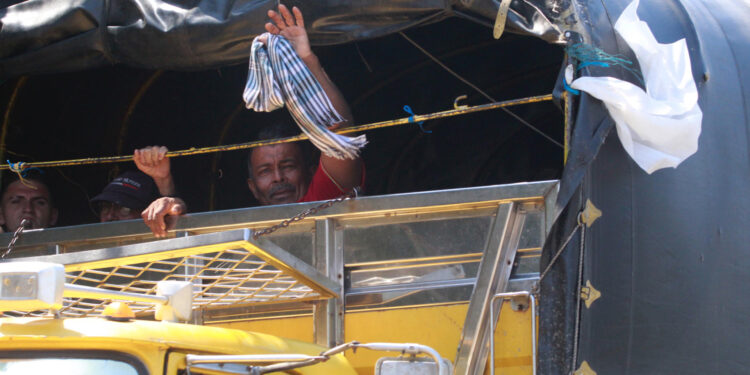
column 277, row 76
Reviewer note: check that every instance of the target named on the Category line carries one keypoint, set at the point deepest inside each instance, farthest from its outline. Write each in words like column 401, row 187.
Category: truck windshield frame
column 134, row 363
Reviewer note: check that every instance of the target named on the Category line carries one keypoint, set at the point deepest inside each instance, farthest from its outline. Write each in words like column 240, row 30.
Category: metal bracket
column 519, row 304
column 585, row 369
column 460, row 106
column 502, row 16
column 590, row 214
column 589, row 294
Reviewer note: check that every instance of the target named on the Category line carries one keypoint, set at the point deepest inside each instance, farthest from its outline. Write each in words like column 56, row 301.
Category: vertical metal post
column 550, row 200
column 493, row 275
column 191, row 267
column 328, row 258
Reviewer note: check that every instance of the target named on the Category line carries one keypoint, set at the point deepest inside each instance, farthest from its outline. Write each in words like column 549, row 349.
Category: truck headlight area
column 30, row 286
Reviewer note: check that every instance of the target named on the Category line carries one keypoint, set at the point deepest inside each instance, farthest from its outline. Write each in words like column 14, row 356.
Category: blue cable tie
column 411, row 119
column 570, row 89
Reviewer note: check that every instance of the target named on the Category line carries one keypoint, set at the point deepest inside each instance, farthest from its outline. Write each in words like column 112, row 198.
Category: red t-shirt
column 323, row 187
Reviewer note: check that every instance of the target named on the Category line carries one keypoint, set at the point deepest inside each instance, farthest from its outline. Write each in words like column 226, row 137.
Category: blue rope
column 589, row 55
column 589, row 63
column 21, row 170
column 570, row 89
column 411, row 119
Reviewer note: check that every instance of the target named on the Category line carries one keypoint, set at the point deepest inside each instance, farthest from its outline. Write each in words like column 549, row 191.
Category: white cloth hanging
column 659, row 127
column 277, row 76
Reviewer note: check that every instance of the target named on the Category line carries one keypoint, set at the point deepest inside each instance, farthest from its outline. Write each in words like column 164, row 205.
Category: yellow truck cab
column 98, row 345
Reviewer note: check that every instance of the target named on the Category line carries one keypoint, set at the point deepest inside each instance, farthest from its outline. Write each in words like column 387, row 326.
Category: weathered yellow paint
column 436, row 326
column 296, row 327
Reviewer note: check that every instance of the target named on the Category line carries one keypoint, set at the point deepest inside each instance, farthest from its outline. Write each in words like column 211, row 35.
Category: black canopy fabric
column 42, row 36
column 670, row 252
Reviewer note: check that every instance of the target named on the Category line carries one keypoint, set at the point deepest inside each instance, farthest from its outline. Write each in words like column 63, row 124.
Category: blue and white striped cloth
column 277, row 76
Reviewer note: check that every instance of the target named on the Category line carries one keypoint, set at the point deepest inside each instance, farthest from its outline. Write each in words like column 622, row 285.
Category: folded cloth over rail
column 277, row 76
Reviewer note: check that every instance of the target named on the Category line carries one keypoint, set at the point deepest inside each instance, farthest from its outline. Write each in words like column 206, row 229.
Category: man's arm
column 154, row 162
column 347, row 173
column 161, row 215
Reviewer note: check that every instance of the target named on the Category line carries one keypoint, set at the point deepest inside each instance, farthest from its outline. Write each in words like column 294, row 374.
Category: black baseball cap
column 131, row 189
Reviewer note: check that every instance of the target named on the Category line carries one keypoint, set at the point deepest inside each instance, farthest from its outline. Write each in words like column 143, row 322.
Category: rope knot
column 408, row 110
column 21, row 170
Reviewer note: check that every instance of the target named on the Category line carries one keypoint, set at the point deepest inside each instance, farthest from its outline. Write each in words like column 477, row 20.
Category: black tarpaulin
column 669, row 254
column 40, row 36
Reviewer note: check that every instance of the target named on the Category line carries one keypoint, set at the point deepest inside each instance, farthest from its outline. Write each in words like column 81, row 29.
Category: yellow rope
column 247, row 145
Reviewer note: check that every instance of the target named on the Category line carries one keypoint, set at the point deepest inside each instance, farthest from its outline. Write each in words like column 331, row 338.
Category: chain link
column 536, row 286
column 16, row 234
column 306, row 213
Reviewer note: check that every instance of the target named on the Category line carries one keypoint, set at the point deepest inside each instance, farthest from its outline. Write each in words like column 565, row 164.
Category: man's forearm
column 166, row 186
column 334, row 94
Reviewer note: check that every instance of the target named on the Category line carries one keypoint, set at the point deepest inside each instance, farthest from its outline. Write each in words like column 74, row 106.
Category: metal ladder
column 492, row 284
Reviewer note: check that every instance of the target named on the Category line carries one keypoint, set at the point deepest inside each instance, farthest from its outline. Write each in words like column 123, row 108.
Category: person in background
column 130, row 193
column 30, row 199
column 125, row 197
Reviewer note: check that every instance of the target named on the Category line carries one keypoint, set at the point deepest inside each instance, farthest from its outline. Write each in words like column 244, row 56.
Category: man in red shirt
column 285, row 173
column 279, row 173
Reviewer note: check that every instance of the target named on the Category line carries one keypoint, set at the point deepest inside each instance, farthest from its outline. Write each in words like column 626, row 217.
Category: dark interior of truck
column 114, row 110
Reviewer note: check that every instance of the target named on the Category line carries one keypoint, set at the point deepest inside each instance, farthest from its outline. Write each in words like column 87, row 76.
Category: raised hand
column 291, row 27
column 152, row 161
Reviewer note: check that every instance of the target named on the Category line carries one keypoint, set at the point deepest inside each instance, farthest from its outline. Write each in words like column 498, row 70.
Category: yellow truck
column 399, row 284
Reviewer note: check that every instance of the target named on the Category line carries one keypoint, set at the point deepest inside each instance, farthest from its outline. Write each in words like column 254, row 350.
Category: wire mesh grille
column 221, row 278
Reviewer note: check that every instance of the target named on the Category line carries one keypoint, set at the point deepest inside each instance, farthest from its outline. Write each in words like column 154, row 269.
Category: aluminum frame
column 92, row 236
column 202, row 229
column 328, row 258
column 494, row 276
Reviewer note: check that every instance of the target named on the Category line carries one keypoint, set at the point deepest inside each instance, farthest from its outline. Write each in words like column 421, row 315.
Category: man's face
column 110, row 211
column 22, row 202
column 279, row 174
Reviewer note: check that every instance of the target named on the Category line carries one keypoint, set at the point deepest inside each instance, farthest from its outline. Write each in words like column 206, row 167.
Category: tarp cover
column 41, row 36
column 669, row 253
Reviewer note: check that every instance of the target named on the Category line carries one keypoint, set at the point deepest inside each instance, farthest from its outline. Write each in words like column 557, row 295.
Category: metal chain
column 16, row 234
column 578, row 299
column 535, row 287
column 310, row 211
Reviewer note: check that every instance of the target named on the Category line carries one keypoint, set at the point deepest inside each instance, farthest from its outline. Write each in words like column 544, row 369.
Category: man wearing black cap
column 125, row 197
column 131, row 192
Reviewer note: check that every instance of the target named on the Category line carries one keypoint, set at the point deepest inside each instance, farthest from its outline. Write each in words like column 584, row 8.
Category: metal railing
column 382, row 251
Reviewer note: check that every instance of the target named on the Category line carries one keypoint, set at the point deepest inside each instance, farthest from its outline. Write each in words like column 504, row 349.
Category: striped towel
column 277, row 76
